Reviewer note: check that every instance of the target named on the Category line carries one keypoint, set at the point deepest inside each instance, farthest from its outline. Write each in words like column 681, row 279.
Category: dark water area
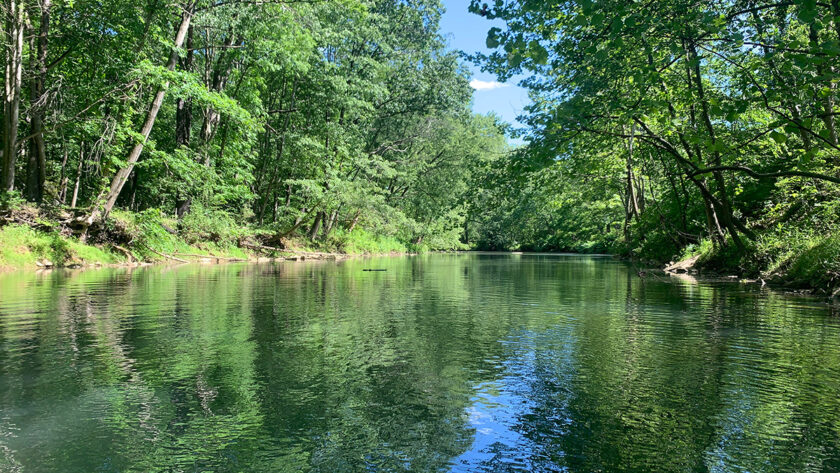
column 465, row 363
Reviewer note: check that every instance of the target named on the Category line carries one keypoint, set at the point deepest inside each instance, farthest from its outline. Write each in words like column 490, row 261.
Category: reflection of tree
column 362, row 370
column 323, row 367
column 161, row 373
column 314, row 367
column 676, row 378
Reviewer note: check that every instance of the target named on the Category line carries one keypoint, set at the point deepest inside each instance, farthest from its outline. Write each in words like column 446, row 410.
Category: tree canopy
column 307, row 117
column 673, row 121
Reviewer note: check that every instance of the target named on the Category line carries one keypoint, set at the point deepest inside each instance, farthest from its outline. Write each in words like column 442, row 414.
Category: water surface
column 465, row 363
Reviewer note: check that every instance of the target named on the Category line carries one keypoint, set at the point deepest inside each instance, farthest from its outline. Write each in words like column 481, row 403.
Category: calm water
column 464, row 363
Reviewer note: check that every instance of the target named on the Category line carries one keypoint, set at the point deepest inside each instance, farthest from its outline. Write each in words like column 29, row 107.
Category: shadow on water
column 476, row 362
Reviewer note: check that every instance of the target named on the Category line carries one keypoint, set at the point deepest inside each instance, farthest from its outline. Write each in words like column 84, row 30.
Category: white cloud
column 485, row 85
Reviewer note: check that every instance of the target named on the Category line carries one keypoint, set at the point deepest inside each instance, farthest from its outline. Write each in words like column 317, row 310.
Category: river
column 465, row 363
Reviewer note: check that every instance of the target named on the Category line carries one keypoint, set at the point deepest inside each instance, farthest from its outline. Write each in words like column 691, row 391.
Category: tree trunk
column 330, row 223
column 183, row 124
column 218, row 79
column 12, row 90
column 316, row 225
column 78, row 175
column 827, row 101
column 38, row 152
column 62, row 187
column 354, row 222
column 281, row 148
column 182, row 207
column 724, row 210
column 134, row 177
column 119, row 180
column 183, row 111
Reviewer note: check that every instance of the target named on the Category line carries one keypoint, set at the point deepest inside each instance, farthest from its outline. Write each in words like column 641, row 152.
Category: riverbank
column 791, row 261
column 22, row 248
column 31, row 239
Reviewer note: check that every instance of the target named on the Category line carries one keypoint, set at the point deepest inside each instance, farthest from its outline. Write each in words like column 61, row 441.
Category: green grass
column 22, row 247
column 797, row 258
column 361, row 242
column 150, row 237
column 817, row 263
column 144, row 235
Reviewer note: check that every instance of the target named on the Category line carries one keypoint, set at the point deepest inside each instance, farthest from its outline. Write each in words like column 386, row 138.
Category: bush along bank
column 32, row 237
column 792, row 260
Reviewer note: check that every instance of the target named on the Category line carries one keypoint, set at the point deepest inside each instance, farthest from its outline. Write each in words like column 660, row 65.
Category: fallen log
column 209, row 256
column 262, row 247
column 166, row 256
column 304, row 254
column 126, row 252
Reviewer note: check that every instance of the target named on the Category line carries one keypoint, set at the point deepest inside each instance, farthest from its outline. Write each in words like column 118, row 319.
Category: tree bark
column 217, row 82
column 183, row 112
column 272, row 182
column 119, row 180
column 631, row 207
column 330, row 223
column 724, row 210
column 183, row 124
column 354, row 222
column 62, row 186
column 15, row 25
column 316, row 225
column 78, row 175
column 827, row 101
column 38, row 152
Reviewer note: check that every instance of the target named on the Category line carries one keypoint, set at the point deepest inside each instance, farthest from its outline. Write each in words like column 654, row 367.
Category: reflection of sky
column 468, row 32
column 537, row 373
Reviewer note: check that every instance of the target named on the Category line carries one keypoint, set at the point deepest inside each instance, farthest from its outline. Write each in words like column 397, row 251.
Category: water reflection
column 465, row 363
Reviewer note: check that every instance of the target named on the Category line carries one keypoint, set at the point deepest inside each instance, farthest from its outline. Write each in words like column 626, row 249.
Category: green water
column 463, row 363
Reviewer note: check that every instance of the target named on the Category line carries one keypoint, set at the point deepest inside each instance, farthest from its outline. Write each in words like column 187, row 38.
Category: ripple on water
column 491, row 363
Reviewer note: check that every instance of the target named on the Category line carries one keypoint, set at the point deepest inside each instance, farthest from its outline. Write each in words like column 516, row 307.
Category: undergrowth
column 796, row 257
column 21, row 246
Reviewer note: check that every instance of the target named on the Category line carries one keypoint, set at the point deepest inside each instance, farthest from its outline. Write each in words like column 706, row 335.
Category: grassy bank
column 796, row 259
column 31, row 238
column 24, row 247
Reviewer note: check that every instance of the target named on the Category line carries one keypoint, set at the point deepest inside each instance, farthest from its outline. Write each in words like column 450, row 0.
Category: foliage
column 22, row 246
column 674, row 123
column 363, row 242
column 300, row 118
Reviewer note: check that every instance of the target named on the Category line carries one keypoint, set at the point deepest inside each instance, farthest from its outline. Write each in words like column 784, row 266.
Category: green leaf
column 493, row 38
column 538, row 53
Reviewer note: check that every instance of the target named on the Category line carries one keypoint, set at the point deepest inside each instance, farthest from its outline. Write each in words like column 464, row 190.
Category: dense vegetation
column 662, row 128
column 659, row 129
column 346, row 122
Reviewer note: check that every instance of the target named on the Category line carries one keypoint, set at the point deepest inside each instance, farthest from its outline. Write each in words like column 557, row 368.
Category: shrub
column 361, row 241
column 205, row 224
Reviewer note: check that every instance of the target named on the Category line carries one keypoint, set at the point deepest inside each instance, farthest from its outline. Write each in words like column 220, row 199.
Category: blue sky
column 468, row 32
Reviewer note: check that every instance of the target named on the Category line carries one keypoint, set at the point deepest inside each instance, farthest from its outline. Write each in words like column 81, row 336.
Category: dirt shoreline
column 181, row 259
column 688, row 270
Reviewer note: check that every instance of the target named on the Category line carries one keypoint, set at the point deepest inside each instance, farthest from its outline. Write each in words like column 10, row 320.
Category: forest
column 658, row 130
column 675, row 129
column 340, row 121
